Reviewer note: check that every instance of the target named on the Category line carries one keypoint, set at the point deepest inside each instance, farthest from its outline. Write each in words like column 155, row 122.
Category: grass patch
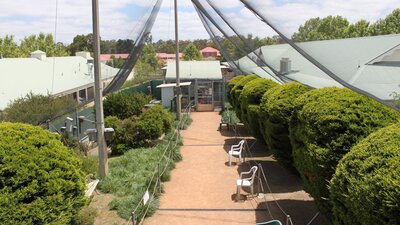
column 132, row 174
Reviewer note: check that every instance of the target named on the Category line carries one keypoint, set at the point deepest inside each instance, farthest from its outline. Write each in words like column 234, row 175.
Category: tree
column 43, row 42
column 115, row 62
column 124, row 45
column 108, row 47
column 148, row 55
column 142, row 71
column 328, row 28
column 37, row 109
column 389, row 25
column 191, row 53
column 8, row 47
column 81, row 43
column 359, row 29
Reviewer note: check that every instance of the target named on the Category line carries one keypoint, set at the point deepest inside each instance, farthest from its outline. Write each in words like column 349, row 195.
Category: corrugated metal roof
column 194, row 70
column 347, row 58
column 19, row 76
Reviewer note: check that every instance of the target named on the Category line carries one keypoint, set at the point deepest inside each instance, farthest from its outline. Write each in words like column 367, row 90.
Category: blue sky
column 118, row 20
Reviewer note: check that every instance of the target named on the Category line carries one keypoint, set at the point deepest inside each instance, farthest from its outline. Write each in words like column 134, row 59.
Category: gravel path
column 202, row 187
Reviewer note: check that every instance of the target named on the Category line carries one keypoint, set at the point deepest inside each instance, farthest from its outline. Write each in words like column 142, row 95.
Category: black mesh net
column 262, row 37
column 143, row 29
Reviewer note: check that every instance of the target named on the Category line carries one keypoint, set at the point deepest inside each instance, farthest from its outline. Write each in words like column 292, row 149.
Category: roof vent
column 84, row 54
column 38, row 55
column 286, row 66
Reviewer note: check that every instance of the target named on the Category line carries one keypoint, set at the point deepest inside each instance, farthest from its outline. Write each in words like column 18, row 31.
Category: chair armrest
column 244, row 173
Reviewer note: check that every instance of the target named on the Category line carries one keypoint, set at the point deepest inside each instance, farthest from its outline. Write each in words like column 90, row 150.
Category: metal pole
column 103, row 165
column 178, row 85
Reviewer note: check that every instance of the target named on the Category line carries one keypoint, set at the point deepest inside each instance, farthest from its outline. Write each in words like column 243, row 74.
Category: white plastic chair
column 236, row 150
column 246, row 182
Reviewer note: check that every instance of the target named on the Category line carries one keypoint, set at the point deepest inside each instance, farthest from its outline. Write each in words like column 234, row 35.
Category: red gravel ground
column 202, row 187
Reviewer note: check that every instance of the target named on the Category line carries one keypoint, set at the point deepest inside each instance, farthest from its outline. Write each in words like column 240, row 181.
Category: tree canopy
column 191, row 52
column 336, row 27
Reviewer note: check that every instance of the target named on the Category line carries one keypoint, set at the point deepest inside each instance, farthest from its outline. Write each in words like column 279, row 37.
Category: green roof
column 54, row 75
column 207, row 70
column 369, row 63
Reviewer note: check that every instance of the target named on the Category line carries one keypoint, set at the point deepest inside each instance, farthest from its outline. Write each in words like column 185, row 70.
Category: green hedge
column 232, row 84
column 40, row 179
column 276, row 110
column 366, row 186
column 250, row 99
column 237, row 90
column 325, row 124
column 137, row 132
column 124, row 105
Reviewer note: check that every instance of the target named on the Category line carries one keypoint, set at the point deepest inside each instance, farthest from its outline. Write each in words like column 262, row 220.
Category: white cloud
column 22, row 18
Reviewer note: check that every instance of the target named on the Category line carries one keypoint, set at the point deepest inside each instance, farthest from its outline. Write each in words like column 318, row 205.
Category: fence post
column 159, row 178
column 133, row 218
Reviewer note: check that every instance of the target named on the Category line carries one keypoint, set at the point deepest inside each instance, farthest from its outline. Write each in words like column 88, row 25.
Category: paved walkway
column 202, row 187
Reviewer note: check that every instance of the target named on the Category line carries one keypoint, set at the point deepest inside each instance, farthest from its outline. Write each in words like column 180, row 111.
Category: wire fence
column 151, row 193
column 261, row 176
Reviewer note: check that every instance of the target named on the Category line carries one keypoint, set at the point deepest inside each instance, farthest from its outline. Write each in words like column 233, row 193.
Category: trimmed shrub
column 250, row 99
column 237, row 90
column 137, row 132
column 40, row 179
column 231, row 84
column 124, row 105
column 150, row 126
column 366, row 186
column 325, row 124
column 276, row 109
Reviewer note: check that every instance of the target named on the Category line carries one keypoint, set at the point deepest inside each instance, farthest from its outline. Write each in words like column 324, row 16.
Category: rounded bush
column 251, row 96
column 276, row 109
column 231, row 84
column 40, row 179
column 325, row 124
column 124, row 105
column 366, row 186
column 237, row 90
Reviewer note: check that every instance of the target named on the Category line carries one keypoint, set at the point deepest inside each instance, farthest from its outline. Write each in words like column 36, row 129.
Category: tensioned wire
column 169, row 159
column 264, row 177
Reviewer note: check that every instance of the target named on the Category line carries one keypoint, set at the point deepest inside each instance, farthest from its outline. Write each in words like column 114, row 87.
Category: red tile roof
column 210, row 50
column 106, row 57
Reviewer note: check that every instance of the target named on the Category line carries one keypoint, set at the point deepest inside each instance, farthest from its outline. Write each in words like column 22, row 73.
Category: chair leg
column 238, row 187
column 230, row 159
column 252, row 190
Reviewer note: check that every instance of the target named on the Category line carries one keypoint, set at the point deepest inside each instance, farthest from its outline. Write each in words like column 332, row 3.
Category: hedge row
column 237, row 90
column 276, row 110
column 135, row 132
column 250, row 99
column 309, row 130
column 366, row 186
column 40, row 179
column 326, row 124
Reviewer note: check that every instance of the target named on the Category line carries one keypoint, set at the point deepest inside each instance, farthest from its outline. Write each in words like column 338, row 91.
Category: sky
column 119, row 19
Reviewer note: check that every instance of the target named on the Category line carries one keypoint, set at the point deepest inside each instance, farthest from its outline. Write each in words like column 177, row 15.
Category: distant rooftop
column 369, row 63
column 46, row 75
column 210, row 70
column 106, row 57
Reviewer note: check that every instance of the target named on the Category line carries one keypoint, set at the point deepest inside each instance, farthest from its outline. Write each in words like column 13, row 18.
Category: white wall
column 167, row 94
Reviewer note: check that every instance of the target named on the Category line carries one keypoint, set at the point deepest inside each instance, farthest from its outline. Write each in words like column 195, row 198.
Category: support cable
column 316, row 62
column 207, row 15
